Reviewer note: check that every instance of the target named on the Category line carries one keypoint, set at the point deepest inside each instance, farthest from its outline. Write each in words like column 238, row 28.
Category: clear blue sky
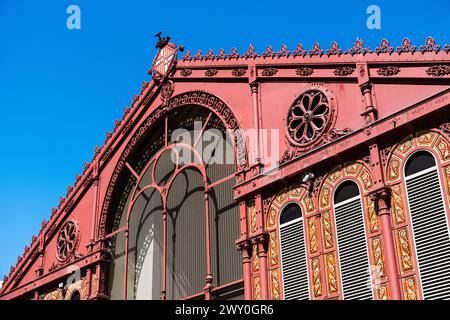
column 61, row 90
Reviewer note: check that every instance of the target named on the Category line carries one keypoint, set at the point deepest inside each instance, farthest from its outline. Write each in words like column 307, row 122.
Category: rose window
column 67, row 240
column 308, row 118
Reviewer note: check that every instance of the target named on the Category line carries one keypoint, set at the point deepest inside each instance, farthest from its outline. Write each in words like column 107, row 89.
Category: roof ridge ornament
column 334, row 49
column 384, row 47
column 162, row 42
column 358, row 48
column 406, row 46
column 315, row 50
column 430, row 45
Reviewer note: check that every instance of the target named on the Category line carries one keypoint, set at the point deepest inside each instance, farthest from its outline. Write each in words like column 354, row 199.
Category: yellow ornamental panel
column 377, row 257
column 405, row 146
column 325, row 197
column 394, row 168
column 308, row 202
column 382, row 293
column 397, row 204
column 275, row 284
column 327, row 229
column 316, row 279
column 365, row 179
column 272, row 217
column 352, row 169
column 330, row 262
column 273, row 249
column 251, row 214
column 295, row 192
column 372, row 216
column 410, row 288
column 281, row 198
column 404, row 250
column 312, row 235
column 442, row 146
column 256, row 288
column 255, row 258
column 426, row 139
column 334, row 176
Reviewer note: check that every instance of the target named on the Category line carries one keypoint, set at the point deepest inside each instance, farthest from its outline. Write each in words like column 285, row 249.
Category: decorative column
column 261, row 242
column 164, row 262
column 381, row 195
column 96, row 190
column 244, row 245
column 382, row 198
column 209, row 277
column 370, row 112
column 261, row 238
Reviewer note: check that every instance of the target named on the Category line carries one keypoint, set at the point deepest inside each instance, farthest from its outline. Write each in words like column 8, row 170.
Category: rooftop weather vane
column 162, row 42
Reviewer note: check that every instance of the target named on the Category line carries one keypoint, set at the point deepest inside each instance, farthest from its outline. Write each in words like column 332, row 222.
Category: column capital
column 382, row 198
column 254, row 86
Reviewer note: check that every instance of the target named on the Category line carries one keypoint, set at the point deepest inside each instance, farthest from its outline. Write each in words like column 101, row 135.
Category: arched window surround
column 360, row 195
column 300, row 196
column 359, row 173
column 436, row 143
column 302, row 219
column 438, row 167
column 161, row 118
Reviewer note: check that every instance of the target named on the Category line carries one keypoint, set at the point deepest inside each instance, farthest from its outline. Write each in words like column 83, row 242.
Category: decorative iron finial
column 162, row 42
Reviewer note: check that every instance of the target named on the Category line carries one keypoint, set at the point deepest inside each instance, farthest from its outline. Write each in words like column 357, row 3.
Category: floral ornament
column 308, row 118
column 67, row 241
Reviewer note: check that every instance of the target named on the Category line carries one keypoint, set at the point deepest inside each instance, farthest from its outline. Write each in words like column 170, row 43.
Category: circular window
column 308, row 118
column 67, row 241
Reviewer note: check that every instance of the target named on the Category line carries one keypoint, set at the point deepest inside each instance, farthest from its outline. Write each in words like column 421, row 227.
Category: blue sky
column 61, row 90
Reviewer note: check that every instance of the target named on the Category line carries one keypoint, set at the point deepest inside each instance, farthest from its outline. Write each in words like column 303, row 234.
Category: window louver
column 293, row 257
column 431, row 233
column 352, row 249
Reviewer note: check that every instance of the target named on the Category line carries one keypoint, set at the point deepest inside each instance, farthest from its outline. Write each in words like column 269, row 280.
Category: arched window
column 429, row 224
column 293, row 253
column 351, row 240
column 175, row 200
column 75, row 296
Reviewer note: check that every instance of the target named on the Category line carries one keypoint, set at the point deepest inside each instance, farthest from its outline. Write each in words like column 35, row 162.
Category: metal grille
column 430, row 233
column 352, row 248
column 293, row 257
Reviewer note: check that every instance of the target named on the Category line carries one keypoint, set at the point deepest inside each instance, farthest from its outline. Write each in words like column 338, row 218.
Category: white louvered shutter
column 352, row 250
column 431, row 233
column 293, row 260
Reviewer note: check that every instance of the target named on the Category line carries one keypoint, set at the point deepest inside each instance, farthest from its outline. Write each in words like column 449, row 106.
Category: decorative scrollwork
column 269, row 72
column 384, row 47
column 308, row 118
column 358, row 48
column 211, row 72
column 406, row 46
column 68, row 240
column 438, row 70
column 167, row 90
column 430, row 45
column 239, row 72
column 334, row 49
column 304, row 72
column 186, row 72
column 343, row 71
column 388, row 71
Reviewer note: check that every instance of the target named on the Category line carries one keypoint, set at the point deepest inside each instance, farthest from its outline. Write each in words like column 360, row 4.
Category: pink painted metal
column 377, row 97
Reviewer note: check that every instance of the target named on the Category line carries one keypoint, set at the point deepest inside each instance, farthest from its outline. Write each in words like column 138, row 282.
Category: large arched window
column 293, row 253
column 351, row 240
column 429, row 224
column 175, row 220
